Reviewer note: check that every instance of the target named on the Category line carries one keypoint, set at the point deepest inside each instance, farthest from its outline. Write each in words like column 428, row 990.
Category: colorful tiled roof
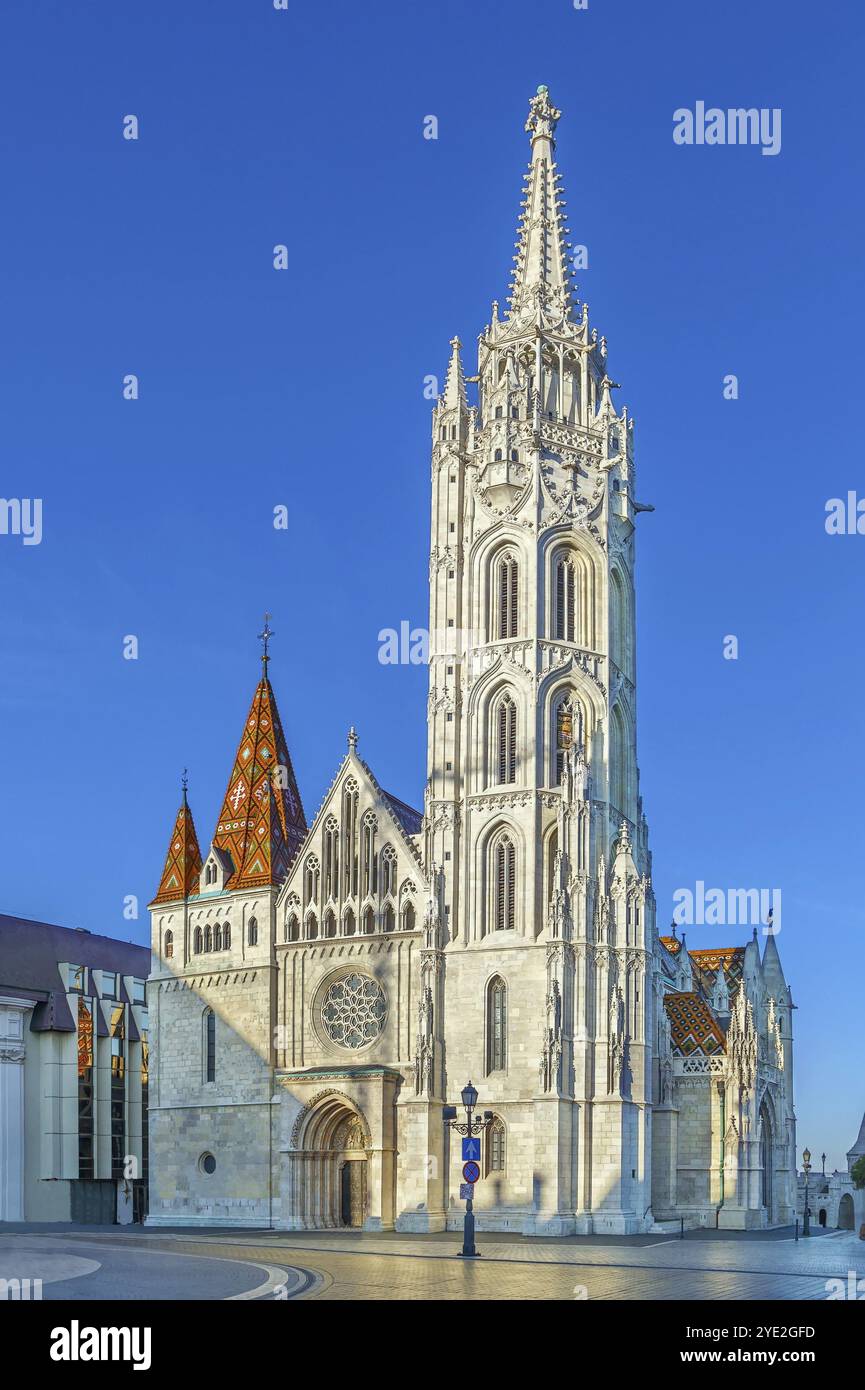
column 693, row 1026
column 180, row 877
column 707, row 963
column 262, row 824
column 672, row 943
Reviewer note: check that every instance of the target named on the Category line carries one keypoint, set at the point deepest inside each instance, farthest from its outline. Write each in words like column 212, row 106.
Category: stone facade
column 834, row 1200
column 508, row 932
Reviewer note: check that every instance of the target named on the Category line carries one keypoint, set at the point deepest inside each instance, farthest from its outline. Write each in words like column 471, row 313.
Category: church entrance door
column 353, row 1192
column 331, row 1188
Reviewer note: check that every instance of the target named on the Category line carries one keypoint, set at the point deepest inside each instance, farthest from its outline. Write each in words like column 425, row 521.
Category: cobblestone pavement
column 343, row 1266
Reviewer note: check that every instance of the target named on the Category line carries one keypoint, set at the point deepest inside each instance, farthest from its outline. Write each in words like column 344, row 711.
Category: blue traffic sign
column 471, row 1149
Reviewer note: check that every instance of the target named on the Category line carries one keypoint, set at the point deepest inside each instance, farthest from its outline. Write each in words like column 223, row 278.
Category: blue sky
column 305, row 388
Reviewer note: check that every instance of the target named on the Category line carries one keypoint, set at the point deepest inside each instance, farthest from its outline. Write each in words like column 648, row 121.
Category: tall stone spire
column 183, row 860
column 454, row 395
column 773, row 972
column 542, row 274
column 262, row 824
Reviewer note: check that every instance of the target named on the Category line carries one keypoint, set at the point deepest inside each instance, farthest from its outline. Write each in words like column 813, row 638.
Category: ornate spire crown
column 543, row 279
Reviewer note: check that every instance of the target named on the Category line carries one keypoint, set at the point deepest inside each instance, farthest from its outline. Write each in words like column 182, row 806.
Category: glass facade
column 85, row 1088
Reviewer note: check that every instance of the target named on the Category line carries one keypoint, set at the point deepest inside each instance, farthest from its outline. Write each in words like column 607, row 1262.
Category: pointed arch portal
column 331, row 1185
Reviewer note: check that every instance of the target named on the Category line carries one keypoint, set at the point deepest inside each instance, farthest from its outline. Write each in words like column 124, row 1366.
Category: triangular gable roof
column 262, row 824
column 401, row 816
column 183, row 860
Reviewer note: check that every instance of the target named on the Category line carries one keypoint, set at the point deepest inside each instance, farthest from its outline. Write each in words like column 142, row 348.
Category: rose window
column 354, row 1011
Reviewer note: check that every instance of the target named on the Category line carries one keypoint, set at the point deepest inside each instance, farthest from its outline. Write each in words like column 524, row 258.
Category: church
column 321, row 989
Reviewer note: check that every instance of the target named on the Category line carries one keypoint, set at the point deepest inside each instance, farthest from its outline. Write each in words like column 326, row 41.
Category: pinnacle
column 261, row 824
column 183, row 859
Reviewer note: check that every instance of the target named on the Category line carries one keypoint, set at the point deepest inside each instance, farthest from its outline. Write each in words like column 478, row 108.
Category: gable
column 359, row 869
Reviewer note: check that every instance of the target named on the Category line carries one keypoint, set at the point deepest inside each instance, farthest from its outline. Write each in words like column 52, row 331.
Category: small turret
column 183, row 860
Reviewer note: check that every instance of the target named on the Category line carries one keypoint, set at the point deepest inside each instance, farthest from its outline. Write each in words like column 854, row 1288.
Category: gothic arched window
column 329, row 926
column 311, row 926
column 209, row 1045
column 408, row 917
column 368, row 921
column 388, row 920
column 569, row 732
column 310, row 881
column 217, row 937
column 503, row 884
column 620, row 622
column 252, row 932
column 388, row 871
column 497, row 1024
column 566, row 602
column 226, row 937
column 292, row 929
column 552, row 851
column 370, row 861
column 496, row 1147
column 619, row 752
column 169, row 945
column 508, row 573
column 331, row 858
column 208, row 938
column 349, row 839
column 348, row 923
column 196, row 941
column 506, row 739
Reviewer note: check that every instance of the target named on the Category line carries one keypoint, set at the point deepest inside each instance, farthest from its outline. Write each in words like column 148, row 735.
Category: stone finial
column 543, row 117
column 352, row 739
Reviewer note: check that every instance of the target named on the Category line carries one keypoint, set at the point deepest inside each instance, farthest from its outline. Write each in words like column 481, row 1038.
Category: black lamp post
column 469, row 1097
column 806, row 1164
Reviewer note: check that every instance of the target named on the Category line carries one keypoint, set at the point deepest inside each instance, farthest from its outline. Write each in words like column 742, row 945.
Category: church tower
column 533, row 819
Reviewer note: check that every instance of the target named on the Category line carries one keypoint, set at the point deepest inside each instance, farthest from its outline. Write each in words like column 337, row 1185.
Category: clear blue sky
column 305, row 388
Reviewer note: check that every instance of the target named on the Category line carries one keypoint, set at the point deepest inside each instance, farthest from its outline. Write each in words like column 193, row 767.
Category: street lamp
column 806, row 1164
column 471, row 1129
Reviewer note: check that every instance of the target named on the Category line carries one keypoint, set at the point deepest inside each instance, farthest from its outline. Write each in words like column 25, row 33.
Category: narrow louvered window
column 504, row 885
column 508, row 596
column 565, row 626
column 506, row 740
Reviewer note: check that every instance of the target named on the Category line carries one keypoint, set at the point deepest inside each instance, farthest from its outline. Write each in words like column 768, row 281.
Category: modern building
column 73, row 1075
column 320, row 991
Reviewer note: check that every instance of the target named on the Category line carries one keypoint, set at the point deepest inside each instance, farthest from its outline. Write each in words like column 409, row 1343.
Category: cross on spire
column 264, row 637
column 184, row 782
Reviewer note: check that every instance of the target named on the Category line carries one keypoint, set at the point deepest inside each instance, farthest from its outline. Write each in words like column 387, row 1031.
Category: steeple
column 261, row 825
column 773, row 972
column 183, row 860
column 542, row 275
column 454, row 396
column 858, row 1148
